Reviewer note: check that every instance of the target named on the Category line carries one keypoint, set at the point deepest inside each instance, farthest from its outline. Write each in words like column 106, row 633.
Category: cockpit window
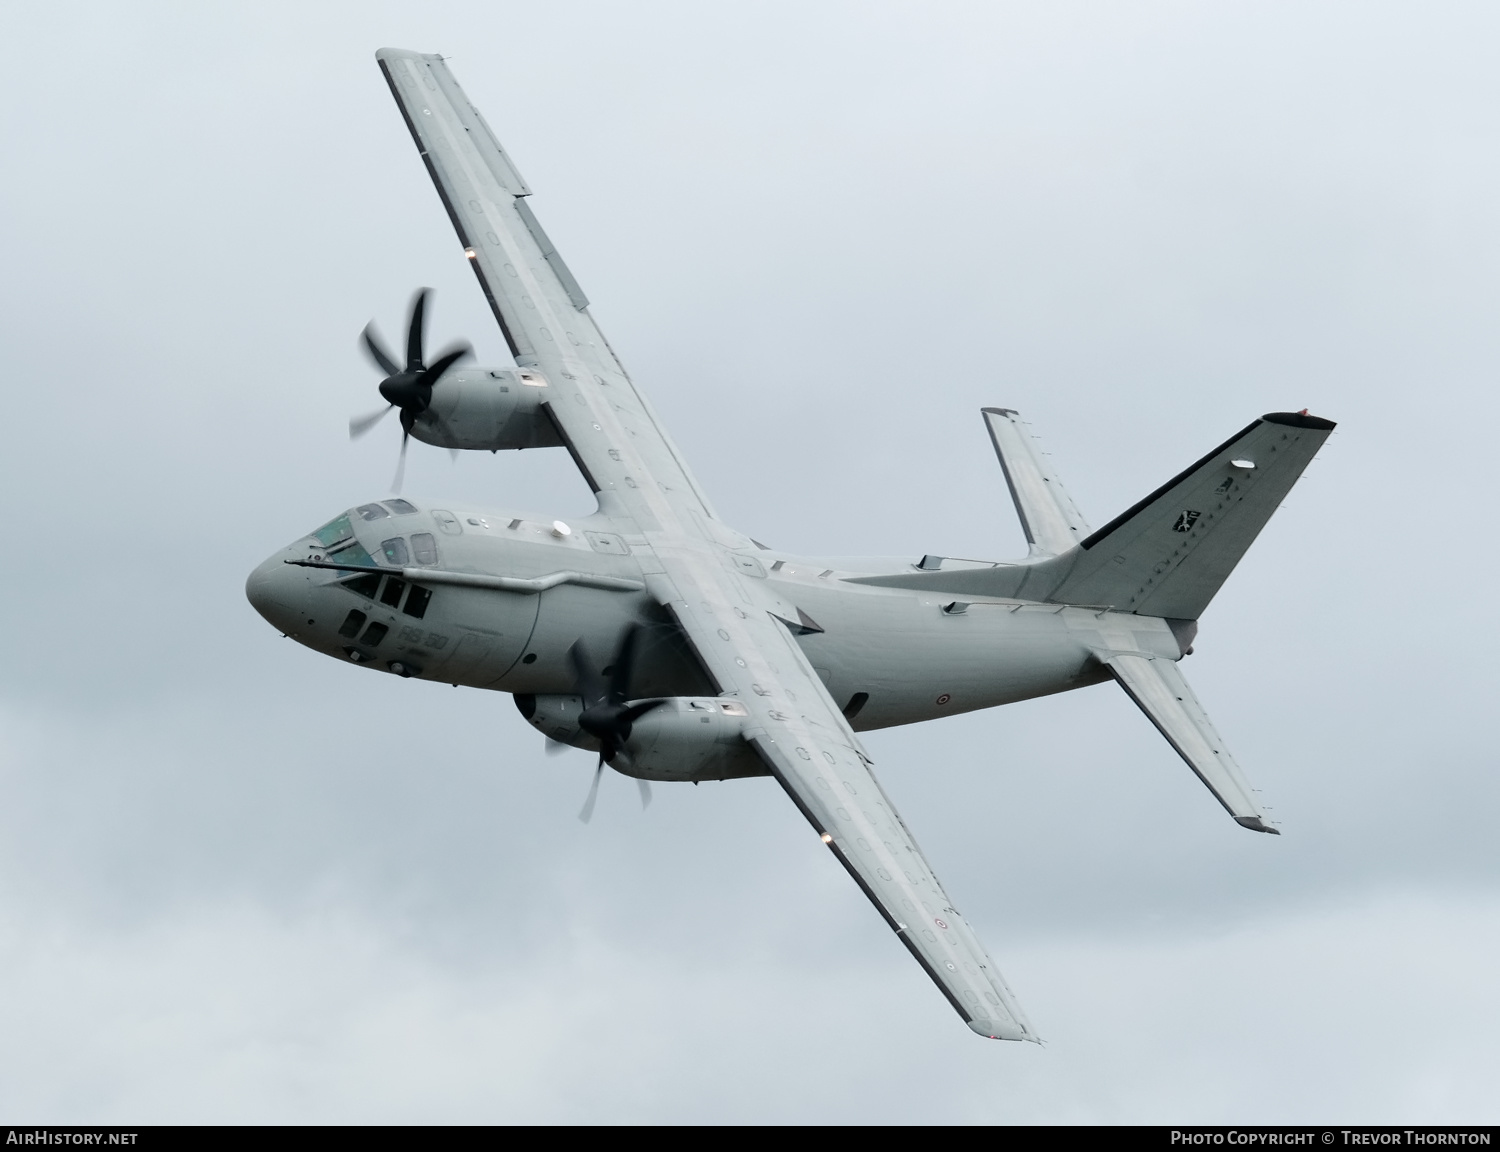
column 395, row 551
column 352, row 553
column 416, row 603
column 400, row 507
column 393, row 590
column 424, row 547
column 334, row 531
column 365, row 584
column 372, row 512
column 374, row 634
column 352, row 623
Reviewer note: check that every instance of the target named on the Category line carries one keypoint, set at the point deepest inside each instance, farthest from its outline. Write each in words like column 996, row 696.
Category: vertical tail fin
column 1169, row 554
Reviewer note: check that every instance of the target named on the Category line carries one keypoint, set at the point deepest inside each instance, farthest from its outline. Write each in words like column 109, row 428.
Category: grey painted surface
column 722, row 601
column 240, row 884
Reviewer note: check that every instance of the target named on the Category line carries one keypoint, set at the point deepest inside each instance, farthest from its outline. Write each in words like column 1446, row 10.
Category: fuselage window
column 374, row 634
column 364, row 585
column 424, row 547
column 352, row 623
column 372, row 511
column 395, row 551
column 416, row 603
column 393, row 590
column 334, row 531
column 400, row 507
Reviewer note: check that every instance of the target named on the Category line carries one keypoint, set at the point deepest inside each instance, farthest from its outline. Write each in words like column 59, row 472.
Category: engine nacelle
column 685, row 738
column 488, row 409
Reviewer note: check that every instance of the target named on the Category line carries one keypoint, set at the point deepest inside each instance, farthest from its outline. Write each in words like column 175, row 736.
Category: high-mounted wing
column 704, row 571
column 736, row 622
column 539, row 306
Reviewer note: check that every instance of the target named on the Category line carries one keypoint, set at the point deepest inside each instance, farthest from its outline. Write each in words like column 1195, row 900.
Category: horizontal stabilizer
column 1048, row 516
column 1163, row 695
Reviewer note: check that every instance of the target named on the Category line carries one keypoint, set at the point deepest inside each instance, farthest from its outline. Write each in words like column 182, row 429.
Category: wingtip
column 1255, row 824
column 1001, row 1030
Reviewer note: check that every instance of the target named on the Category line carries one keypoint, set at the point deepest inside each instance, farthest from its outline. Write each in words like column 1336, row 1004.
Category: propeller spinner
column 607, row 715
column 410, row 388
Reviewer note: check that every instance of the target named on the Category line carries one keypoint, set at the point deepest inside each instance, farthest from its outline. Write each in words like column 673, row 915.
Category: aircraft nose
column 278, row 592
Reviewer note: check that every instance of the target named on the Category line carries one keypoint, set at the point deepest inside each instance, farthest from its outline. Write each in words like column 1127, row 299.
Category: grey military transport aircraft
column 677, row 648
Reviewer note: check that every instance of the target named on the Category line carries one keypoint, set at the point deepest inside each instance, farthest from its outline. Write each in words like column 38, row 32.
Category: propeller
column 607, row 714
column 410, row 388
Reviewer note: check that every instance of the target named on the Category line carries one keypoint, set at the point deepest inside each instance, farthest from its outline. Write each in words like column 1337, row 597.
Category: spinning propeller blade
column 359, row 425
column 410, row 388
column 607, row 716
column 377, row 351
column 586, row 813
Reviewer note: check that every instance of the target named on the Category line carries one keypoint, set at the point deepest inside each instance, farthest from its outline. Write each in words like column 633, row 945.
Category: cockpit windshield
column 334, row 532
column 337, row 538
column 352, row 553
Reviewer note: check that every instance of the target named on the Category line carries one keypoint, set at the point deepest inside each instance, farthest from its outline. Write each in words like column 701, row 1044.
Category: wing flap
column 551, row 255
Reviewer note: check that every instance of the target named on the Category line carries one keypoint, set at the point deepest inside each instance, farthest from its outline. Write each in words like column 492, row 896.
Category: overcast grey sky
column 240, row 882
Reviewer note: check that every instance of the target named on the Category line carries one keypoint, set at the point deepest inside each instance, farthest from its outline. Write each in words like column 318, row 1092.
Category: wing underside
column 536, row 300
column 808, row 746
column 702, row 570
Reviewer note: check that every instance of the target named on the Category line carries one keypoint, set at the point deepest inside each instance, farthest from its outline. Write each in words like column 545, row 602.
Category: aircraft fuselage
column 888, row 655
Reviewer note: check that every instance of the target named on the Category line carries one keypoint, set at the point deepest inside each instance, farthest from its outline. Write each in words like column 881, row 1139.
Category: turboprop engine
column 478, row 408
column 489, row 409
column 681, row 738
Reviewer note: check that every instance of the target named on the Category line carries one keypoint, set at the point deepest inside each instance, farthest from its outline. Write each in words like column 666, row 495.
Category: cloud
column 238, row 881
column 256, row 1014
